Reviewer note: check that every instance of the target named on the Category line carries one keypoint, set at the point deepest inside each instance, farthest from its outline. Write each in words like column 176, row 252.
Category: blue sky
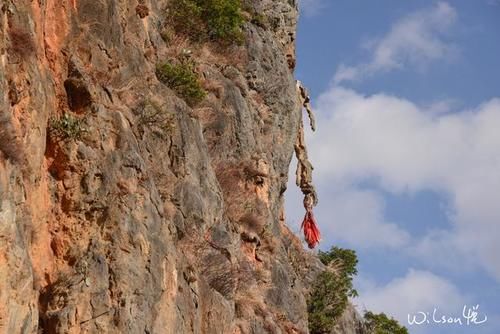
column 407, row 151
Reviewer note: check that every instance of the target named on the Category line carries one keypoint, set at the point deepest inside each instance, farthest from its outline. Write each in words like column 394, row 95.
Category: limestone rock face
column 350, row 322
column 147, row 216
column 139, row 225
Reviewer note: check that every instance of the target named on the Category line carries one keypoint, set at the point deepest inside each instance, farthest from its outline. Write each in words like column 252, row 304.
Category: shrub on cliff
column 346, row 261
column 67, row 127
column 222, row 19
column 182, row 79
column 21, row 42
column 381, row 324
column 156, row 117
column 9, row 146
column 330, row 292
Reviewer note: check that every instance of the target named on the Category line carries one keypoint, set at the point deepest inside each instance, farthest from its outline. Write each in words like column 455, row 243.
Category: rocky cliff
column 122, row 208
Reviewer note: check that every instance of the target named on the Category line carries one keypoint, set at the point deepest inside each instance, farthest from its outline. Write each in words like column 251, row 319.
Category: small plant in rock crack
column 256, row 17
column 152, row 115
column 67, row 127
column 182, row 79
column 267, row 231
column 10, row 147
column 260, row 20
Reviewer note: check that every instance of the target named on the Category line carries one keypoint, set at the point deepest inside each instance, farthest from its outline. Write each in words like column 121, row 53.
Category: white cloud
column 442, row 106
column 346, row 214
column 403, row 147
column 418, row 291
column 415, row 39
column 357, row 217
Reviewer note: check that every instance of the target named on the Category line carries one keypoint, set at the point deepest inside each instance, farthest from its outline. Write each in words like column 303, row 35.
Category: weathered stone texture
column 169, row 225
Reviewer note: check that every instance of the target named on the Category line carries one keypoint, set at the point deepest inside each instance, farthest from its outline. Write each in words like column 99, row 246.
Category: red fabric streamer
column 311, row 231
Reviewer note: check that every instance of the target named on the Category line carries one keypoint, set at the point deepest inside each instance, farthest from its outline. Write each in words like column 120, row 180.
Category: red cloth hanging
column 311, row 231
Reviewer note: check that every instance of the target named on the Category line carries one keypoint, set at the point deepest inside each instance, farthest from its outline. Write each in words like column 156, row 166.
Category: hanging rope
column 304, row 172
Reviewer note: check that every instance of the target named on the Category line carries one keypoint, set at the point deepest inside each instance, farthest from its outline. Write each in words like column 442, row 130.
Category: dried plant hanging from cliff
column 304, row 173
column 21, row 42
column 9, row 144
column 156, row 117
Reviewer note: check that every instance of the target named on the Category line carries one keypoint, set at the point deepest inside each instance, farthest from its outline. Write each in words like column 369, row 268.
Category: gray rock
column 136, row 227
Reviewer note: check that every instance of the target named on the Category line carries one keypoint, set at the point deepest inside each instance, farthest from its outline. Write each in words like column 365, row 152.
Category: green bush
column 183, row 80
column 346, row 260
column 224, row 19
column 326, row 303
column 331, row 290
column 67, row 127
column 381, row 324
column 221, row 19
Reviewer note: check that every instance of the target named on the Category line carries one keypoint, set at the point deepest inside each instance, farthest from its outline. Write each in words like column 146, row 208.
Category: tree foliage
column 381, row 324
column 331, row 290
column 345, row 261
column 219, row 20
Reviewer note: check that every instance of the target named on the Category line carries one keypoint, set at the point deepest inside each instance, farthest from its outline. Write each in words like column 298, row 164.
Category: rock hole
column 78, row 94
